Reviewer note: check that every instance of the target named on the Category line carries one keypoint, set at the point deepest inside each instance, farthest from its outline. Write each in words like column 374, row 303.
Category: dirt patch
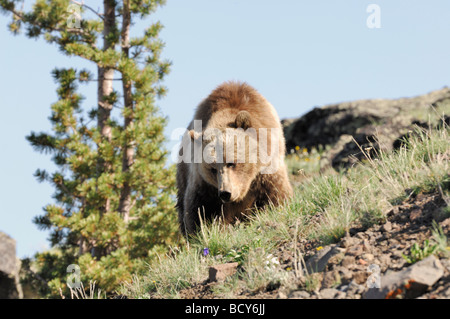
column 199, row 291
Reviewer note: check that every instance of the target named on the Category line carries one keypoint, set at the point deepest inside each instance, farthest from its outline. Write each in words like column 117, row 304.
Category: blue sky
column 299, row 54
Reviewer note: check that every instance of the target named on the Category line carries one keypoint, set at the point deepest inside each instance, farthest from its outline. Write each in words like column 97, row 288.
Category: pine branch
column 21, row 17
column 26, row 268
column 42, row 142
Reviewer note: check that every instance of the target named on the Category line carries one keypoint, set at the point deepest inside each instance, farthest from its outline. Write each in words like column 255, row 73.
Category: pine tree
column 113, row 201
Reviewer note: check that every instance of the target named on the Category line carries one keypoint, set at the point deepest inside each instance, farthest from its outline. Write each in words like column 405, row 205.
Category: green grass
column 417, row 253
column 323, row 208
column 302, row 161
column 441, row 240
column 437, row 244
column 432, row 115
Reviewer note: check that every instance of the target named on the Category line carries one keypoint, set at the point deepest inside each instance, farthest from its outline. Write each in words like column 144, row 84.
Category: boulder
column 319, row 261
column 222, row 271
column 9, row 269
column 411, row 282
column 372, row 124
column 328, row 293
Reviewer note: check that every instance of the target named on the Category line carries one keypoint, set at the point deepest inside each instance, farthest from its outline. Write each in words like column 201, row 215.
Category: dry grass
column 80, row 292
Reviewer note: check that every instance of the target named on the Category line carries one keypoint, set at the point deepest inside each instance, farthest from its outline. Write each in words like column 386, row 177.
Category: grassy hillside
column 325, row 206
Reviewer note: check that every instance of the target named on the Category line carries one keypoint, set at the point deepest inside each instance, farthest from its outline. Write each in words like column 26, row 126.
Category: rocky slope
column 372, row 263
column 377, row 123
column 365, row 264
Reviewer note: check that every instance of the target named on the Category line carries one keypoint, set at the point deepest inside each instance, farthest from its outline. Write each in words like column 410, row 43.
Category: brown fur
column 232, row 107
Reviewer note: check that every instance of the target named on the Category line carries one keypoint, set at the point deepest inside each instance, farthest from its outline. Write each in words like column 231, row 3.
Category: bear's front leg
column 199, row 202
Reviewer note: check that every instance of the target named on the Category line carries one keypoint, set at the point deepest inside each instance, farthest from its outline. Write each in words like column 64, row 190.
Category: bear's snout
column 225, row 196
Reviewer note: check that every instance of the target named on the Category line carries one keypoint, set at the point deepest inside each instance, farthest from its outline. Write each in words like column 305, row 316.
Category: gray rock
column 345, row 273
column 299, row 294
column 330, row 279
column 9, row 269
column 328, row 293
column 343, row 288
column 355, row 288
column 318, row 262
column 340, row 295
column 385, row 259
column 7, row 254
column 368, row 257
column 387, row 227
column 355, row 250
column 282, row 295
column 410, row 282
column 348, row 261
column 348, row 241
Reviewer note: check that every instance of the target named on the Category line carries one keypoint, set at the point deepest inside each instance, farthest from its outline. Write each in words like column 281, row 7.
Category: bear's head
column 229, row 157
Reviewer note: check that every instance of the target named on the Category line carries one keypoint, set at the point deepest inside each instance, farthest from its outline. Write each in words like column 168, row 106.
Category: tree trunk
column 105, row 88
column 128, row 150
column 105, row 75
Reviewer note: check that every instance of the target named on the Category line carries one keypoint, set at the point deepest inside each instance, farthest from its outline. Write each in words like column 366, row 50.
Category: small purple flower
column 205, row 251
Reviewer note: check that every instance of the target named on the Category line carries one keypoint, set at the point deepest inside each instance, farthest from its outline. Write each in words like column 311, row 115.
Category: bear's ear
column 194, row 135
column 243, row 120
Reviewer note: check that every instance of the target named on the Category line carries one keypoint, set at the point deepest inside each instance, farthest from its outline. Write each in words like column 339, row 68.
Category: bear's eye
column 231, row 165
column 213, row 170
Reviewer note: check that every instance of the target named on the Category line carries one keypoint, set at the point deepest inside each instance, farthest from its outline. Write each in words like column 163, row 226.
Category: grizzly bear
column 231, row 159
